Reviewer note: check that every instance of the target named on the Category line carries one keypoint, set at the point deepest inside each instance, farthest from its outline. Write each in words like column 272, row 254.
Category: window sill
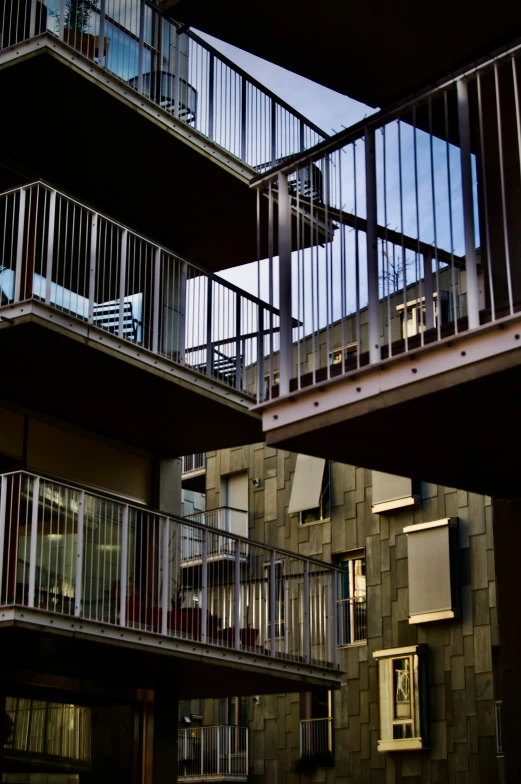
column 406, row 744
column 357, row 644
column 315, row 522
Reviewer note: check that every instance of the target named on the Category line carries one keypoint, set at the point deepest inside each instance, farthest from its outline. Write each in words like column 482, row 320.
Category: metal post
column 177, row 75
column 50, row 245
column 260, row 355
column 141, row 52
column 306, row 613
column 156, row 302
column 209, row 314
column 181, row 332
column 238, row 357
column 92, row 270
column 101, row 48
column 218, row 749
column 273, row 132
column 61, row 28
column 19, row 246
column 429, row 298
column 204, row 584
column 302, row 136
column 237, row 595
column 244, row 94
column 122, row 280
column 124, row 567
column 286, row 329
column 34, row 541
column 166, row 576
column 32, row 20
column 468, row 206
column 334, row 619
column 373, row 308
column 272, row 604
column 3, row 519
column 78, row 587
column 211, row 92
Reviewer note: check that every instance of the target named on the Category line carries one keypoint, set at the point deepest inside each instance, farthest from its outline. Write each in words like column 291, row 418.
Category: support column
column 507, row 545
column 166, row 709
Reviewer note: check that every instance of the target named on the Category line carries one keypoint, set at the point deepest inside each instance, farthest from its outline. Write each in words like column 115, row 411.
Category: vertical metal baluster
column 61, row 27
column 484, row 189
column 141, row 52
column 237, row 598
column 122, row 280
column 156, row 302
column 273, row 132
column 468, row 207
column 101, row 48
column 92, row 267
column 238, row 357
column 124, row 567
column 209, row 315
column 306, row 617
column 272, row 604
column 78, row 590
column 34, row 540
column 19, row 245
column 429, row 296
column 334, row 620
column 286, row 330
column 211, row 95
column 50, row 244
column 177, row 80
column 244, row 93
column 3, row 518
column 204, row 584
column 166, row 575
column 372, row 255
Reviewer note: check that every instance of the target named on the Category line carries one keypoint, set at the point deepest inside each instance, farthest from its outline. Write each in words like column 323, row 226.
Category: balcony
column 194, row 472
column 352, row 620
column 217, row 753
column 47, row 735
column 316, row 741
column 77, row 563
column 226, row 519
column 189, row 115
column 412, row 312
column 162, row 333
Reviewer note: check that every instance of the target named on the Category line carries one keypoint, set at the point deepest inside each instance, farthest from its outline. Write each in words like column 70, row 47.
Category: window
column 316, row 726
column 352, row 601
column 417, row 313
column 401, row 690
column 432, row 550
column 349, row 351
column 268, row 385
column 311, row 490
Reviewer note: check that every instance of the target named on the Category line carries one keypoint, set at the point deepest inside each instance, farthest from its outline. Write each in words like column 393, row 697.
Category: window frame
column 348, row 558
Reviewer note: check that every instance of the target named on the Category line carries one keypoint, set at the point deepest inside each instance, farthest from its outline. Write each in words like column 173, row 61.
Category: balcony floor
column 447, row 414
column 35, row 640
column 88, row 377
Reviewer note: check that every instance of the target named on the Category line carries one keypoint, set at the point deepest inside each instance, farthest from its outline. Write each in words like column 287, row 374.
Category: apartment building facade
column 417, row 580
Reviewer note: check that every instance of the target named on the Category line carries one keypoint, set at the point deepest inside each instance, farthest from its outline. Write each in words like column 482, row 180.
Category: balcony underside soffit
column 119, row 397
column 373, row 53
column 464, row 435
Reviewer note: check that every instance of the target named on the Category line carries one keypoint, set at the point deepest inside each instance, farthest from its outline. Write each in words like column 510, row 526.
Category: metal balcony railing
column 61, row 253
column 422, row 202
column 67, row 551
column 213, row 752
column 133, row 41
column 52, row 730
column 352, row 620
column 226, row 519
column 316, row 737
column 195, row 462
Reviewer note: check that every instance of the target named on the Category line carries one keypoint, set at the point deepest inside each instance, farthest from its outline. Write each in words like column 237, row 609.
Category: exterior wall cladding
column 462, row 745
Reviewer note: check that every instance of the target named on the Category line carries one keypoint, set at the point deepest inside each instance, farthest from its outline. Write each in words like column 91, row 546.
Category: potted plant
column 77, row 23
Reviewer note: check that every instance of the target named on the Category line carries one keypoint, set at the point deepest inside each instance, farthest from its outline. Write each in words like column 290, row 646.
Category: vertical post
column 19, row 245
column 211, row 93
column 244, row 95
column 3, row 516
column 273, row 132
column 78, row 586
column 209, row 314
column 122, row 280
column 101, row 47
column 50, row 244
column 181, row 331
column 61, row 29
column 166, row 575
column 302, row 138
column 238, row 356
column 260, row 355
column 92, row 266
column 204, row 584
column 177, row 75
column 32, row 20
column 124, row 567
column 218, row 750
column 306, row 613
column 372, row 250
column 34, row 540
column 141, row 51
column 334, row 619
column 429, row 298
column 468, row 206
column 237, row 595
column 286, row 330
column 156, row 302
column 272, row 604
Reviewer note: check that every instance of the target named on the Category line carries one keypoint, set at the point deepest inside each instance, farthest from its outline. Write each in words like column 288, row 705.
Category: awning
column 307, row 483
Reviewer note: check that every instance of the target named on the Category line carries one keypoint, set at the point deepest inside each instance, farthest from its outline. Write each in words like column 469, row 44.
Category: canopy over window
column 307, row 483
